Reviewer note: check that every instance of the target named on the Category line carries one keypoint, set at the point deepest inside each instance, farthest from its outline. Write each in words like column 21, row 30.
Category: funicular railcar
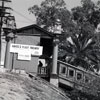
column 75, row 77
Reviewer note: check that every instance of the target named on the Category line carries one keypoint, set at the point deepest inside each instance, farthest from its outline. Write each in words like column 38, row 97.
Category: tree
column 90, row 93
column 48, row 13
column 81, row 50
column 88, row 12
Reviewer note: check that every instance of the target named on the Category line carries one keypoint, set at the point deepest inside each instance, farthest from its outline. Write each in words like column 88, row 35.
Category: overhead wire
column 23, row 15
column 18, row 13
column 23, row 21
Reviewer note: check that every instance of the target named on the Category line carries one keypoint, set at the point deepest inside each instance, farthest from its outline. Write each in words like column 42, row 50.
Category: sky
column 22, row 16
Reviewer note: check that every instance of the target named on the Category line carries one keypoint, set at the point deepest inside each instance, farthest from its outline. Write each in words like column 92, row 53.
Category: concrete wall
column 25, row 36
column 29, row 66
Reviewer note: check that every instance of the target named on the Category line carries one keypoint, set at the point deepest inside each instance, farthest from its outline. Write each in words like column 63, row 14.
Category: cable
column 23, row 16
column 24, row 21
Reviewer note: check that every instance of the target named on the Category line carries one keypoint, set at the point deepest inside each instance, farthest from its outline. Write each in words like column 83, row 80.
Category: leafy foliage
column 81, row 50
column 49, row 11
column 90, row 93
column 88, row 12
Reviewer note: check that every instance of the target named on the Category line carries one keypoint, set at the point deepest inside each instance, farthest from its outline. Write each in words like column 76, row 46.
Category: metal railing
column 42, row 71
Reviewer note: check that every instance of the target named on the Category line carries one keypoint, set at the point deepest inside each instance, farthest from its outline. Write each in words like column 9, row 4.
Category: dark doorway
column 47, row 46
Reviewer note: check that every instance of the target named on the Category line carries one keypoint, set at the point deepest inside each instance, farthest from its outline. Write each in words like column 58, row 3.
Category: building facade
column 31, row 35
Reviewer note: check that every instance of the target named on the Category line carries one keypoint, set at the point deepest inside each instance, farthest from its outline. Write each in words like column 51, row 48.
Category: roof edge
column 35, row 26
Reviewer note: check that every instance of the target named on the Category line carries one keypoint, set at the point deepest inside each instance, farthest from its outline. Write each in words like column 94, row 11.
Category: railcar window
column 79, row 76
column 87, row 79
column 63, row 70
column 71, row 73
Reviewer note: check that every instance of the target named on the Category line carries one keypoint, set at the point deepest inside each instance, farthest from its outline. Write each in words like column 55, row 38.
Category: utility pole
column 3, row 15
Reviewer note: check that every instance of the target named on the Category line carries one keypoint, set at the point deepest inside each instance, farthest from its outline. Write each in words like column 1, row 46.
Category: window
column 63, row 70
column 79, row 76
column 71, row 73
column 87, row 79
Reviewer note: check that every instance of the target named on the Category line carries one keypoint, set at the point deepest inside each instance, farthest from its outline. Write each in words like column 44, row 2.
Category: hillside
column 20, row 87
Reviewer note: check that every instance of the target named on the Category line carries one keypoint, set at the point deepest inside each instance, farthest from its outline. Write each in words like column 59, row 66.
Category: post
column 54, row 76
column 1, row 18
column 55, row 56
column 57, row 33
column 9, row 37
column 7, row 54
column 2, row 15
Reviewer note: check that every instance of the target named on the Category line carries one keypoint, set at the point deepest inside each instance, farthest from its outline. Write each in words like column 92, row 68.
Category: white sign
column 24, row 56
column 14, row 48
column 35, row 50
column 25, row 51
